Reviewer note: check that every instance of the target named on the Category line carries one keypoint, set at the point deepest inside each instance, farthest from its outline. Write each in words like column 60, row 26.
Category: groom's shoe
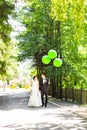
column 45, row 105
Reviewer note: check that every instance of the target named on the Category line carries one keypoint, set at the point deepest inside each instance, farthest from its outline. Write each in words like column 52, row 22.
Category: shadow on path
column 16, row 115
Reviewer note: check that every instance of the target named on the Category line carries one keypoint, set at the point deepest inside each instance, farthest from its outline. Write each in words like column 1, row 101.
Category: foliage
column 7, row 47
column 73, row 35
column 62, row 26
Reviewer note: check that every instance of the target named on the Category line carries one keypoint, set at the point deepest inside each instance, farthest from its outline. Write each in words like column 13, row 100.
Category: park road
column 58, row 115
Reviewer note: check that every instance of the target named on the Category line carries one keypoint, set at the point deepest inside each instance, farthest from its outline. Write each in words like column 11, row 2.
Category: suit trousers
column 44, row 97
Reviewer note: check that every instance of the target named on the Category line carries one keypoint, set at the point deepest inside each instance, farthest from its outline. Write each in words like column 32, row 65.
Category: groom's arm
column 40, row 84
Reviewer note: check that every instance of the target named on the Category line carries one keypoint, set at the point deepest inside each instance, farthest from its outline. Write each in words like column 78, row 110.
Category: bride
column 35, row 95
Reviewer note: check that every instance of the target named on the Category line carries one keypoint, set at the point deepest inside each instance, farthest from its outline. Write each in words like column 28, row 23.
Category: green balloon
column 46, row 59
column 57, row 62
column 52, row 54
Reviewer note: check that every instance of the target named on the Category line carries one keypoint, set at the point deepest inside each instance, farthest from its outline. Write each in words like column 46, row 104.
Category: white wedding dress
column 35, row 96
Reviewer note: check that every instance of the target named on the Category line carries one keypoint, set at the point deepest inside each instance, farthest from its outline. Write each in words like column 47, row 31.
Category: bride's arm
column 30, row 85
column 38, row 86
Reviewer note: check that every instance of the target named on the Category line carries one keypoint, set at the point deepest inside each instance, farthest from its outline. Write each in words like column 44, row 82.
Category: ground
column 59, row 115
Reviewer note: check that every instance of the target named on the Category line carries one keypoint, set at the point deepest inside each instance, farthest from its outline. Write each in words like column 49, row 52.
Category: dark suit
column 44, row 91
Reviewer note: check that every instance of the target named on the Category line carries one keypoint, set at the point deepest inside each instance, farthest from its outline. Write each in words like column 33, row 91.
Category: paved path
column 59, row 115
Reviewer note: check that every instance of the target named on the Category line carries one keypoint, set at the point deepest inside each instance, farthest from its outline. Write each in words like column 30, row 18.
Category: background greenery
column 49, row 24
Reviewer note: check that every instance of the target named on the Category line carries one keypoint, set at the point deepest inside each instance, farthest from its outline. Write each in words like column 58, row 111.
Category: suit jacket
column 44, row 85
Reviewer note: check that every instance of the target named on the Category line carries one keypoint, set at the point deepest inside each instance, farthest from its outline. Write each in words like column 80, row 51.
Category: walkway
column 59, row 115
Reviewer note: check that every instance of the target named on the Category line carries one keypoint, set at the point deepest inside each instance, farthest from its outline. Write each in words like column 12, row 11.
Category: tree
column 71, row 15
column 54, row 25
column 7, row 57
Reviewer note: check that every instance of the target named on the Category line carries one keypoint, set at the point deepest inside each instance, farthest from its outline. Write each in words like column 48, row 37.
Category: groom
column 44, row 89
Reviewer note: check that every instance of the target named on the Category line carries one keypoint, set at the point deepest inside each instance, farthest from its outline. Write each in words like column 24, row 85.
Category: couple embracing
column 39, row 93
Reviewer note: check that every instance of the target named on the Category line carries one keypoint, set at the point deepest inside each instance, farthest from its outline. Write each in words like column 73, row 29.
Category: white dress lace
column 35, row 95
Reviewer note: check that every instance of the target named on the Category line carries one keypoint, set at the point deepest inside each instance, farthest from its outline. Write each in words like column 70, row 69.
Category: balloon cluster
column 46, row 59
